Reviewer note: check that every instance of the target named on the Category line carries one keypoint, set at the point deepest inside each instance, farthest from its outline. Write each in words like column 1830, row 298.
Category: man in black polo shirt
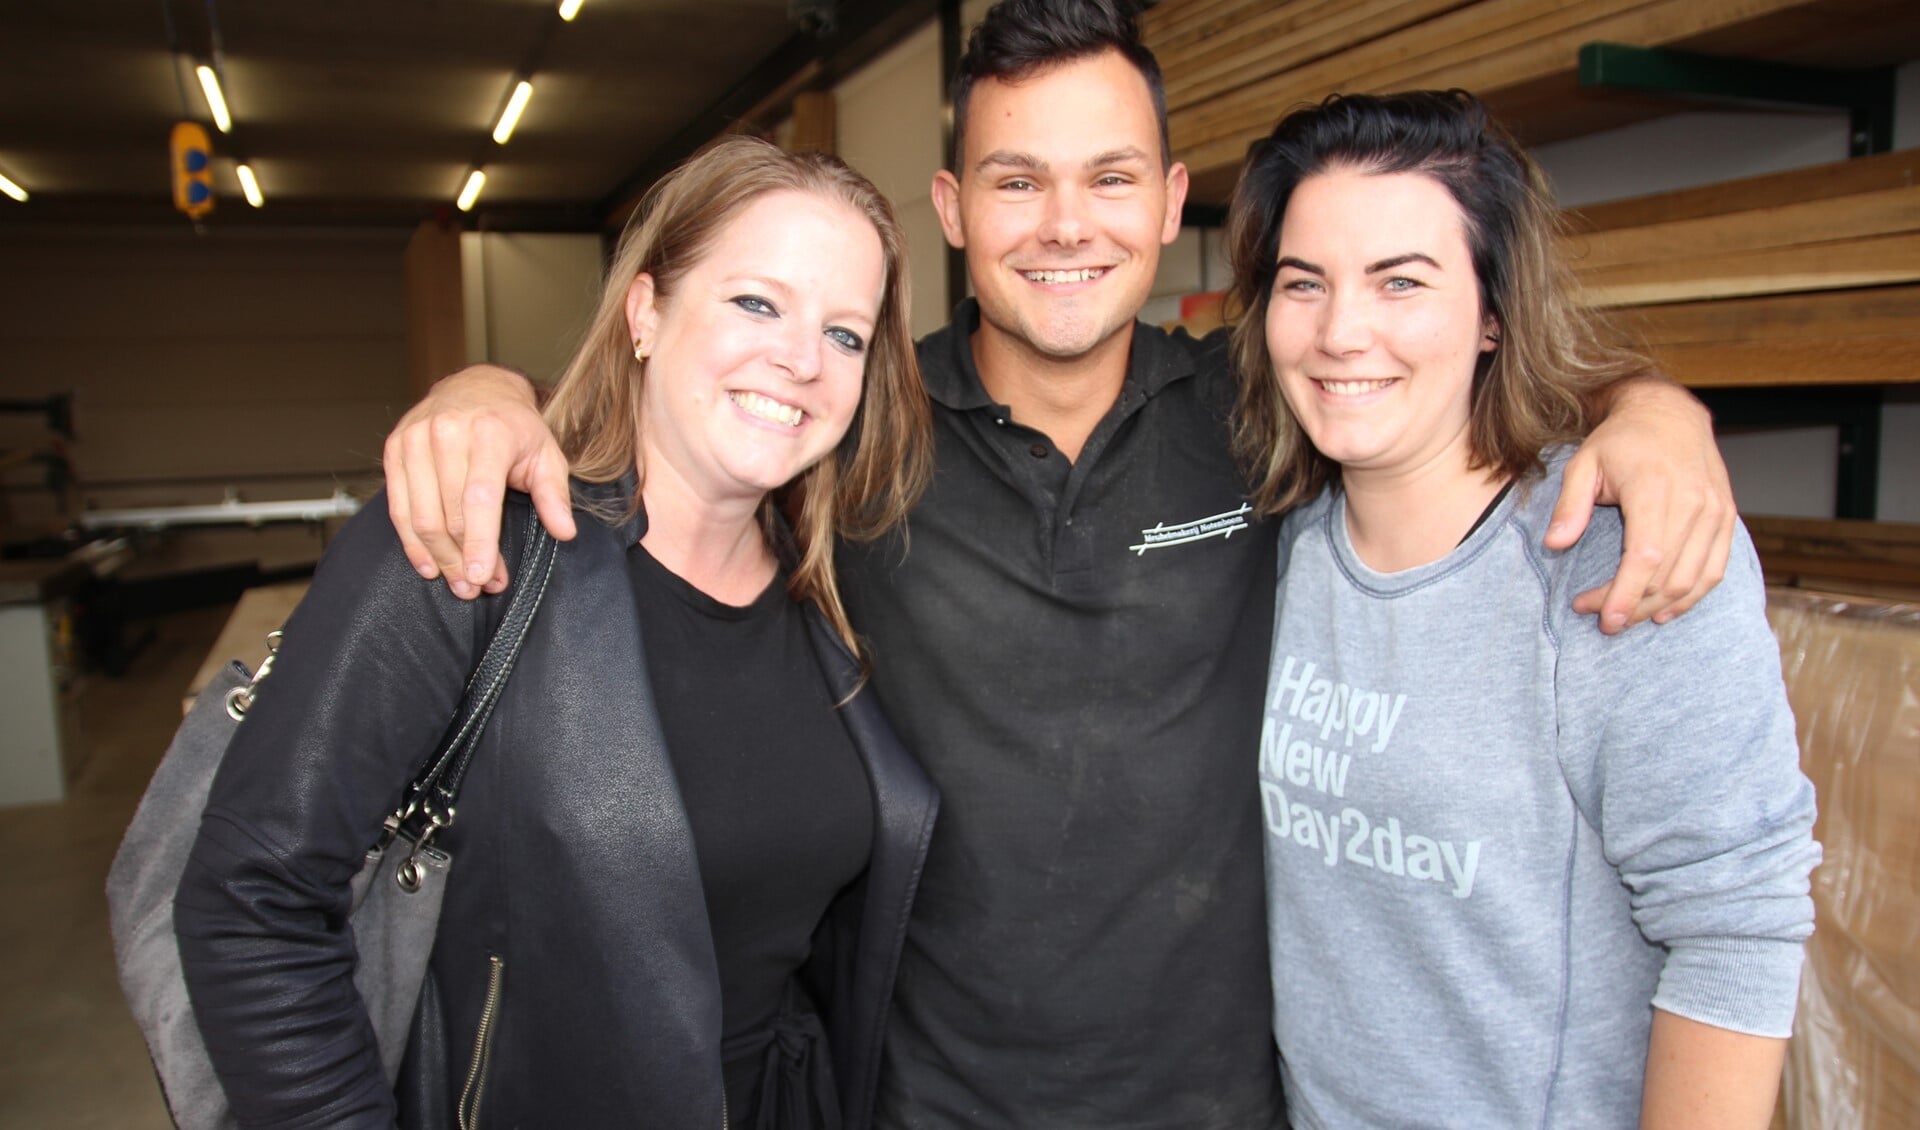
column 1077, row 651
column 1076, row 644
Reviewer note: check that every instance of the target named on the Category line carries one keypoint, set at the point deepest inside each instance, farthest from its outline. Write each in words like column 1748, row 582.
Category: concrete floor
column 70, row 1055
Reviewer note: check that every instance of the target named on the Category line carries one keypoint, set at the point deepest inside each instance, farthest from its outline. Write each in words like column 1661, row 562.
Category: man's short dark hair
column 1020, row 38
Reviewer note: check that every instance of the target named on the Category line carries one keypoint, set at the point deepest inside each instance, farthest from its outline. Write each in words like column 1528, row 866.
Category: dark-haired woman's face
column 1375, row 324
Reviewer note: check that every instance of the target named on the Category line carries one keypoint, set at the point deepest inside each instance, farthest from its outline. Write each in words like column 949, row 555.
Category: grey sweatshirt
column 1496, row 836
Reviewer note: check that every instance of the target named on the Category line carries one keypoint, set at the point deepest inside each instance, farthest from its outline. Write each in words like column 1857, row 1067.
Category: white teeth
column 1084, row 274
column 1354, row 388
column 768, row 408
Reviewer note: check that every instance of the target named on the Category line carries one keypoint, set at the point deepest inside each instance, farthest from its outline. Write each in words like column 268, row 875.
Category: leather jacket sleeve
column 369, row 672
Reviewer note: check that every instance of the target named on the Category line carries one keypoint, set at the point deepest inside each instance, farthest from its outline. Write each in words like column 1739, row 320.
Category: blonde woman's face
column 1375, row 324
column 756, row 361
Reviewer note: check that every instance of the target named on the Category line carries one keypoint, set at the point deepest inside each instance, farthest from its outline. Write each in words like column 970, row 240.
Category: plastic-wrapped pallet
column 1852, row 669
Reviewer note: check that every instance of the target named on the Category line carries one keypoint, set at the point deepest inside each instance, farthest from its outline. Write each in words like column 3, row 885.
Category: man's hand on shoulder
column 1653, row 456
column 449, row 463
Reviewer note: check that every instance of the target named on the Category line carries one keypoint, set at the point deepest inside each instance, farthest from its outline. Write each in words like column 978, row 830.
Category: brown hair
column 1533, row 390
column 870, row 481
column 1018, row 39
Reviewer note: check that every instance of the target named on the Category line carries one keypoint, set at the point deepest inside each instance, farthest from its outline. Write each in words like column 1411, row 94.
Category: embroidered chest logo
column 1161, row 535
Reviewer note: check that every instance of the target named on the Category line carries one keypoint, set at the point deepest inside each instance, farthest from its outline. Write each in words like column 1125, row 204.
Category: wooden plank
column 1386, row 62
column 1843, row 537
column 1827, row 266
column 1891, row 211
column 1782, row 567
column 1178, row 25
column 1525, row 57
column 1851, row 589
column 1840, row 34
column 1843, row 34
column 1889, row 311
column 1812, row 548
column 1487, row 46
column 1169, row 20
column 1838, row 361
column 1285, row 38
column 1816, row 182
column 1185, row 65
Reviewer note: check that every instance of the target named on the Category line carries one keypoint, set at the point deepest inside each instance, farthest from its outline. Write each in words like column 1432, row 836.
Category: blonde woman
column 688, row 846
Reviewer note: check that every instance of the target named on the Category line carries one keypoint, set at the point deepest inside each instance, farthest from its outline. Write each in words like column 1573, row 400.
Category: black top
column 778, row 801
column 1077, row 652
column 575, row 923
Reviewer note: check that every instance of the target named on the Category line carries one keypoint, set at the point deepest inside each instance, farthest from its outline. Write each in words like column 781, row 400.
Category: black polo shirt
column 1077, row 652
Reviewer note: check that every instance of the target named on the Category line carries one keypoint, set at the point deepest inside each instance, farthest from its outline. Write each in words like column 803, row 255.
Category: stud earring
column 639, row 350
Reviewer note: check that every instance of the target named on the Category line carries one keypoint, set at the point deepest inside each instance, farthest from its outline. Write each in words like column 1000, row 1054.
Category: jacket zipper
column 470, row 1095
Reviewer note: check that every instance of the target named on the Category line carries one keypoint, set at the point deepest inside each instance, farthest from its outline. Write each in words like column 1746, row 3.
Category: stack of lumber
column 1810, row 277
column 1870, row 558
column 1806, row 277
column 1233, row 67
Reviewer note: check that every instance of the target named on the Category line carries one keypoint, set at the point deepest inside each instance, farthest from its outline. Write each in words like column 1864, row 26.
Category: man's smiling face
column 1062, row 205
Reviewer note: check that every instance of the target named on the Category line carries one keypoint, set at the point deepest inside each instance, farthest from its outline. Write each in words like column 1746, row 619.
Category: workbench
column 35, row 747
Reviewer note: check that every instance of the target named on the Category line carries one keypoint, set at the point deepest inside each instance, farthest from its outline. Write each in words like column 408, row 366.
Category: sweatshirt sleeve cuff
column 1747, row 985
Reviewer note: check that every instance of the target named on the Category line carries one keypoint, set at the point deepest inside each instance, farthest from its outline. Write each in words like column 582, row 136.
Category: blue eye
column 847, row 339
column 1402, row 284
column 753, row 304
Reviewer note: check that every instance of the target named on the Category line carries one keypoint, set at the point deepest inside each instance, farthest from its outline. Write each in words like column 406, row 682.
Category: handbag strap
column 429, row 803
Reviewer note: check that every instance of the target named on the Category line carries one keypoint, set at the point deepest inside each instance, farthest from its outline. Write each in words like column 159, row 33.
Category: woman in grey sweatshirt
column 1521, row 872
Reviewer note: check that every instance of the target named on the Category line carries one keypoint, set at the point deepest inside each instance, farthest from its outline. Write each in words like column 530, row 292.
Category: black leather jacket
column 573, row 866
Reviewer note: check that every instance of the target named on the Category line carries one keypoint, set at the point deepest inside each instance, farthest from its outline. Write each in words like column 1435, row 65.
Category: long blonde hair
column 1535, row 389
column 870, row 481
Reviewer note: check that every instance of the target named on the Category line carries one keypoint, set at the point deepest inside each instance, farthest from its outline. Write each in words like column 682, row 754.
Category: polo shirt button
column 1038, row 451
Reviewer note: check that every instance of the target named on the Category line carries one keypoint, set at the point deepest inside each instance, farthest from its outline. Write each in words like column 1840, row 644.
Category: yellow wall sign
column 192, row 169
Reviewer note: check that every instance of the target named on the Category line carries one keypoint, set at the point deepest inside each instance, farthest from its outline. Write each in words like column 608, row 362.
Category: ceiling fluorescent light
column 11, row 189
column 570, row 9
column 510, row 117
column 475, row 181
column 250, row 186
column 216, row 101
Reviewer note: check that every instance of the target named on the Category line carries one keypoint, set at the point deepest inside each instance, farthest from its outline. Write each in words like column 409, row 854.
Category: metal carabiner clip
column 240, row 699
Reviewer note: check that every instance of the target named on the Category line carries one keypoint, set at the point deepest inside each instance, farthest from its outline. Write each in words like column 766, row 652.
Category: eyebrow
column 1401, row 261
column 784, row 290
column 1372, row 268
column 761, row 281
column 1122, row 156
column 1011, row 159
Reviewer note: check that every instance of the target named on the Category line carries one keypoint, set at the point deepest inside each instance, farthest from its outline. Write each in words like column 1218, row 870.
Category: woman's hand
column 1654, row 457
column 449, row 462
